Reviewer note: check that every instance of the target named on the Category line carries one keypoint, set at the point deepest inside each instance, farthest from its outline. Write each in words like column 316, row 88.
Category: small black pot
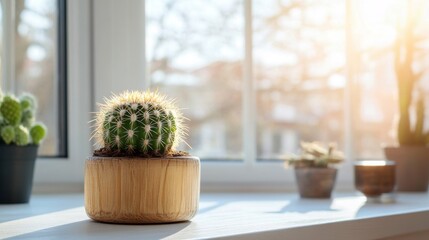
column 16, row 172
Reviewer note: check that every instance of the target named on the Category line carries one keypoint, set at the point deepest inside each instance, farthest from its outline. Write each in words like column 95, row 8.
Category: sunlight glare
column 379, row 12
column 40, row 222
column 373, row 163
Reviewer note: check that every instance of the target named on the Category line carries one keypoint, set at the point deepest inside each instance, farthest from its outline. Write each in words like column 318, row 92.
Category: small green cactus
column 8, row 134
column 28, row 118
column 22, row 136
column 139, row 123
column 17, row 117
column 25, row 104
column 28, row 105
column 11, row 110
column 38, row 132
column 28, row 102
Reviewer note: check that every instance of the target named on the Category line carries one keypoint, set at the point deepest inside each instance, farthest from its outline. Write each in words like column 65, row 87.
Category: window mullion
column 348, row 93
column 249, row 123
column 8, row 48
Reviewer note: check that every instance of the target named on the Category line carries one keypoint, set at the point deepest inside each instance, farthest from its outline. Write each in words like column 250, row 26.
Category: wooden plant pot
column 315, row 182
column 412, row 167
column 142, row 190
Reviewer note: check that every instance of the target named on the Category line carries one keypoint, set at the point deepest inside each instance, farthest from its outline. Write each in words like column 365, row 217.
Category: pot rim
column 404, row 146
column 190, row 157
column 315, row 168
column 374, row 163
column 18, row 146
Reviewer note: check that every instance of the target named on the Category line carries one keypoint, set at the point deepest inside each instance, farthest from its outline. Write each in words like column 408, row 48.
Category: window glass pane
column 35, row 53
column 299, row 67
column 195, row 54
column 376, row 100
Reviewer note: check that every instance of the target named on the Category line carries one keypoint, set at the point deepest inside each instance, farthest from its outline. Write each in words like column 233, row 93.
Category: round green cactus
column 28, row 118
column 25, row 104
column 143, row 123
column 28, row 106
column 37, row 133
column 8, row 134
column 28, row 102
column 11, row 110
column 22, row 136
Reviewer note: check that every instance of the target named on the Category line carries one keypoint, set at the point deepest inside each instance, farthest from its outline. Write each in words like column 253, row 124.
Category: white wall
column 118, row 42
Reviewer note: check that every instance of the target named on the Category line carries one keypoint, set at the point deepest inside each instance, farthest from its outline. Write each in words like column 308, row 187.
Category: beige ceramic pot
column 142, row 190
column 412, row 167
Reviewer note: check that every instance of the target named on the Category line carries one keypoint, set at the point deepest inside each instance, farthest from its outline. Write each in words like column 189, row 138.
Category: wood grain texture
column 142, row 190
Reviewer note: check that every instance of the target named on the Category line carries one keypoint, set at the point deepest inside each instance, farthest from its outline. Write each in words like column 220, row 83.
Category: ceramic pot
column 412, row 167
column 16, row 172
column 142, row 190
column 315, row 182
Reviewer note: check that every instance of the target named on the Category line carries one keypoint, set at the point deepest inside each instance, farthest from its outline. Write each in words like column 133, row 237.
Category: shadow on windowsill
column 305, row 205
column 79, row 230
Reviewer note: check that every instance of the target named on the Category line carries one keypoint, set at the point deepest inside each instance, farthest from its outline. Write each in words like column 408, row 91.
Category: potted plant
column 412, row 154
column 314, row 169
column 20, row 137
column 136, row 175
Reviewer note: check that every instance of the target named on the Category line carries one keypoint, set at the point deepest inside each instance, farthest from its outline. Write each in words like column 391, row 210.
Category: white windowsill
column 232, row 215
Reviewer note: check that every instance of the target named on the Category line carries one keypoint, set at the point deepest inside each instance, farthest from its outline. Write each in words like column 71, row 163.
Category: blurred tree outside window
column 196, row 53
column 299, row 59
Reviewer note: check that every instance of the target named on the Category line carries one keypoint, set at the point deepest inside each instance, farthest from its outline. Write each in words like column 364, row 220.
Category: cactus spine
column 141, row 123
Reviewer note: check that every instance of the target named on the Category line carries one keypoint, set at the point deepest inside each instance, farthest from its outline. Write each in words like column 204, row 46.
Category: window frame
column 93, row 75
column 67, row 174
column 62, row 79
column 8, row 80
